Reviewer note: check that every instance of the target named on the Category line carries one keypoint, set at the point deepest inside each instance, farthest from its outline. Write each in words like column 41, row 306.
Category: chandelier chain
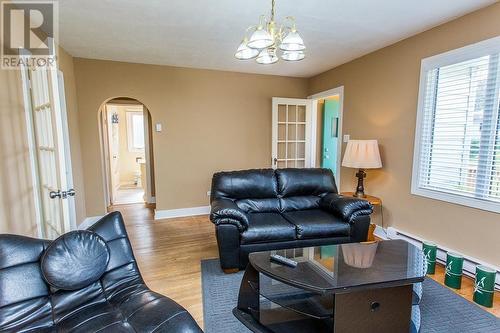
column 272, row 9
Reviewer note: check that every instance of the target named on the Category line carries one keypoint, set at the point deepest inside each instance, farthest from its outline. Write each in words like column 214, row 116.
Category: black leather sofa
column 85, row 281
column 266, row 209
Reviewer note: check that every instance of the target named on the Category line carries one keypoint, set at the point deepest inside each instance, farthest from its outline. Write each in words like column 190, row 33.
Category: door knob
column 63, row 194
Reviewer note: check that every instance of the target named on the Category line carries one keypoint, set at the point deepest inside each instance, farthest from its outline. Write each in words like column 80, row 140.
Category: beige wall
column 212, row 120
column 17, row 213
column 380, row 102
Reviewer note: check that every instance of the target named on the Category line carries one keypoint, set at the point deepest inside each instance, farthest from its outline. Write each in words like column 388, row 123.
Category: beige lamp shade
column 362, row 154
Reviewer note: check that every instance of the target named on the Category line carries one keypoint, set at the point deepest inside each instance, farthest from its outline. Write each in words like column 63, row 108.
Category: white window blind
column 457, row 142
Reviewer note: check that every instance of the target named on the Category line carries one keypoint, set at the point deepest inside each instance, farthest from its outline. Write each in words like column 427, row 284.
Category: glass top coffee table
column 359, row 287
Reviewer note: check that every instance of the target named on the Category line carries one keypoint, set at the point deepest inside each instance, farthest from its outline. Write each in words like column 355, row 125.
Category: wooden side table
column 375, row 201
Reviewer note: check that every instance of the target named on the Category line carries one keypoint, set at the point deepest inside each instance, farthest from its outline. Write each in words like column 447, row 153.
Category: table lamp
column 361, row 154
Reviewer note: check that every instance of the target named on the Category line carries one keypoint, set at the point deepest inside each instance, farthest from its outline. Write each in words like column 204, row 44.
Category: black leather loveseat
column 266, row 209
column 85, row 281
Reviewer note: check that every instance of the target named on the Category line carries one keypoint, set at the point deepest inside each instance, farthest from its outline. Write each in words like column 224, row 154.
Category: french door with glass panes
column 291, row 133
column 49, row 141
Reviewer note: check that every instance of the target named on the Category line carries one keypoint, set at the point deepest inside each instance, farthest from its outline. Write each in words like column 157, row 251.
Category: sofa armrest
column 359, row 228
column 225, row 211
column 228, row 241
column 346, row 208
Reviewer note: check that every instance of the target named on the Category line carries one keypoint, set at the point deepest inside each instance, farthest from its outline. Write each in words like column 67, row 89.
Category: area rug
column 441, row 309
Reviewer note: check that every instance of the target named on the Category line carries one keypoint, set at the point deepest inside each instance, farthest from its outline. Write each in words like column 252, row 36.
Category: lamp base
column 360, row 189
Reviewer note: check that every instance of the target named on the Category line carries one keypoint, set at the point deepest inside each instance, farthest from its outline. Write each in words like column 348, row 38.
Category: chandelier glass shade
column 267, row 39
column 293, row 55
column 260, row 39
column 244, row 52
column 267, row 56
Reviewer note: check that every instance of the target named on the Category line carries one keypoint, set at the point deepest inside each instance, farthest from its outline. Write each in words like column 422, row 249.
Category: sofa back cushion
column 302, row 202
column 25, row 297
column 305, row 182
column 244, row 184
column 28, row 302
column 268, row 205
column 75, row 260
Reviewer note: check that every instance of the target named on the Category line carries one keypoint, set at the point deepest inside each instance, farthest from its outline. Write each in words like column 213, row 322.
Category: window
column 135, row 131
column 457, row 139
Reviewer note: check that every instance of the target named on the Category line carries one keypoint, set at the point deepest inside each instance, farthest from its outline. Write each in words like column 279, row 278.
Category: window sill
column 489, row 206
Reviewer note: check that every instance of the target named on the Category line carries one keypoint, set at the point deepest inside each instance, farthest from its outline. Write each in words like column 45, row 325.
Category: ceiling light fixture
column 266, row 39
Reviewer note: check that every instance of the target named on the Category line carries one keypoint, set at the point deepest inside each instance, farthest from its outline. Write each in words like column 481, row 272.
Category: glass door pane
column 291, row 136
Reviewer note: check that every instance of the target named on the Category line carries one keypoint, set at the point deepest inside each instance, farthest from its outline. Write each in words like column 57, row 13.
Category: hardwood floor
column 169, row 252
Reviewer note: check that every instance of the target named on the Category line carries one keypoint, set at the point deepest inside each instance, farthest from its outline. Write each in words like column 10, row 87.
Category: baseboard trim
column 181, row 212
column 470, row 263
column 89, row 221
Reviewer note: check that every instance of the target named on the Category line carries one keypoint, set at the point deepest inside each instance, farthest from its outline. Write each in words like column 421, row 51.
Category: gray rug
column 441, row 309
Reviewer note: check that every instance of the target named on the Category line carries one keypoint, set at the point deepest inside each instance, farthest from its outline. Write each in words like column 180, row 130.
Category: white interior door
column 291, row 133
column 114, row 148
column 52, row 175
column 147, row 155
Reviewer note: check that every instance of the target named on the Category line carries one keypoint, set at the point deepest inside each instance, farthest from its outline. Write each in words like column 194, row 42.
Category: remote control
column 283, row 260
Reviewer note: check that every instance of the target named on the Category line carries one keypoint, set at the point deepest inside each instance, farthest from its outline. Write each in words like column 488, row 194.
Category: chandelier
column 267, row 39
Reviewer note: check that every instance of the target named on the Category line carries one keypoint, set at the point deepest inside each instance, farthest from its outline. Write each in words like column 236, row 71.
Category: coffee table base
column 374, row 310
column 247, row 320
column 370, row 310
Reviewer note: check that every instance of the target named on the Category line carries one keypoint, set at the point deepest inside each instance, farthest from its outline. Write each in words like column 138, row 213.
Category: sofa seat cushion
column 317, row 223
column 143, row 311
column 93, row 317
column 267, row 227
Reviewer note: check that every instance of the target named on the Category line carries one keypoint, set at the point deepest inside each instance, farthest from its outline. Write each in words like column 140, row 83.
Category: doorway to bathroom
column 126, row 138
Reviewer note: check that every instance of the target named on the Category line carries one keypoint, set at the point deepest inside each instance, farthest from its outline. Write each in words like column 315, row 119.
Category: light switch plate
column 158, row 127
column 347, row 137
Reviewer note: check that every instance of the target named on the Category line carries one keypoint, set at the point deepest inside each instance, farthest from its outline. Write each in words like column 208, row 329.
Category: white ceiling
column 206, row 33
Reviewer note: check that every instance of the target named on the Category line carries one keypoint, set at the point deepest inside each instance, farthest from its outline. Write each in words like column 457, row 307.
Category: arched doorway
column 127, row 151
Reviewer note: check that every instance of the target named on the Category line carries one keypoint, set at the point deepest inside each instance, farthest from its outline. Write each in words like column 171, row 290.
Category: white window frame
column 130, row 132
column 448, row 58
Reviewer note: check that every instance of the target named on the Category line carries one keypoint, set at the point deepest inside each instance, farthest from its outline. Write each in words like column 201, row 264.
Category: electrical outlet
column 347, row 137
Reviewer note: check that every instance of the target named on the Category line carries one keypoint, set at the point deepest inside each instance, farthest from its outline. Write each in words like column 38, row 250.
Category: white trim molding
column 321, row 95
column 470, row 263
column 181, row 212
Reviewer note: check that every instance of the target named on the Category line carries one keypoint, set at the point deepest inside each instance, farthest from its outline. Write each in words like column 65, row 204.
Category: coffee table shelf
column 302, row 302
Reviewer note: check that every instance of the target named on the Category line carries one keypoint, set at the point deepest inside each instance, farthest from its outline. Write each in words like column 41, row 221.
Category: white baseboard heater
column 470, row 263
